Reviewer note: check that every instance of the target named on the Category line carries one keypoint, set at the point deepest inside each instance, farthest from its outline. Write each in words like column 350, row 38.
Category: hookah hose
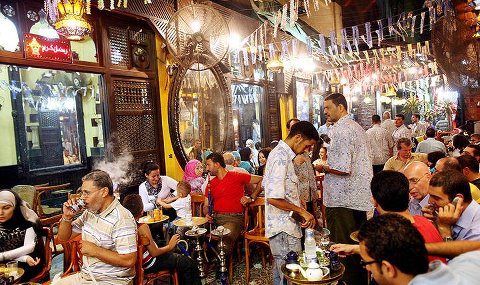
column 183, row 249
column 210, row 204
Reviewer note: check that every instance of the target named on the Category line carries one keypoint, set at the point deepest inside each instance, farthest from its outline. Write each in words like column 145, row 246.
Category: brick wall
column 472, row 111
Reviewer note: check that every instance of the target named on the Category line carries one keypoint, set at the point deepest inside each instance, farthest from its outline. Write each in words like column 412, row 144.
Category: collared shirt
column 348, row 152
column 400, row 132
column 380, row 142
column 113, row 229
column 418, row 129
column 415, row 206
column 281, row 182
column 395, row 163
column 430, row 145
column 468, row 226
column 389, row 125
column 462, row 270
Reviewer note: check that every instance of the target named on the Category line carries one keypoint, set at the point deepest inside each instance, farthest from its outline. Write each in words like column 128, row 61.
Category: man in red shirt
column 227, row 193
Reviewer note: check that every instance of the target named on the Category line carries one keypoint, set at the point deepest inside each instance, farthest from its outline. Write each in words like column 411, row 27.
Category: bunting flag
column 101, row 4
column 356, row 37
column 333, row 43
column 431, row 15
column 283, row 23
column 412, row 28
column 306, row 6
column 322, row 44
column 112, row 4
column 284, row 49
column 309, row 46
column 422, row 21
column 390, row 25
column 316, row 5
column 253, row 53
column 368, row 31
column 292, row 13
column 345, row 41
column 271, row 50
column 245, row 57
column 380, row 30
column 278, row 20
column 294, row 47
column 260, row 53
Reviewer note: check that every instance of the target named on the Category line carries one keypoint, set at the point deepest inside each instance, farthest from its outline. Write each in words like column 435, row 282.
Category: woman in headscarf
column 19, row 235
column 193, row 175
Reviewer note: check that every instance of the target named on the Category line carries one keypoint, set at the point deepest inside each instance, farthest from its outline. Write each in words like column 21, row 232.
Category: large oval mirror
column 200, row 118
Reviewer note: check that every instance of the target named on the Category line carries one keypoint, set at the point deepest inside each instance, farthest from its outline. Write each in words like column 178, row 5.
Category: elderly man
column 380, row 142
column 394, row 252
column 431, row 144
column 230, row 163
column 404, row 156
column 401, row 130
column 388, row 124
column 418, row 175
column 470, row 168
column 456, row 220
column 473, row 150
column 109, row 234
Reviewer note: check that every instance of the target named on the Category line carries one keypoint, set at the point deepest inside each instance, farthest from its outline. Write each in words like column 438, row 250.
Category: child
column 182, row 205
column 155, row 258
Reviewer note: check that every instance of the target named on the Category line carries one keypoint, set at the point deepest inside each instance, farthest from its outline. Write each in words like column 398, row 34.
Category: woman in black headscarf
column 20, row 238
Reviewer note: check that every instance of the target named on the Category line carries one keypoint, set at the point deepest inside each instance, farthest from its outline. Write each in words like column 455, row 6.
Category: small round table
column 17, row 276
column 142, row 220
column 196, row 221
column 297, row 278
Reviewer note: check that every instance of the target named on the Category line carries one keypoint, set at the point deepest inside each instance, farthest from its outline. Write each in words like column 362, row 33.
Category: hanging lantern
column 71, row 23
column 275, row 65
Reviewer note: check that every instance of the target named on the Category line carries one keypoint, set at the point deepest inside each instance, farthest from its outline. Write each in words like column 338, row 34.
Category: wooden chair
column 198, row 200
column 72, row 252
column 47, row 214
column 140, row 277
column 47, row 257
column 319, row 180
column 257, row 233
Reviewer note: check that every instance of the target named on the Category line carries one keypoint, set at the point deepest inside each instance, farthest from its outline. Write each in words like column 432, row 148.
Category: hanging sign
column 38, row 47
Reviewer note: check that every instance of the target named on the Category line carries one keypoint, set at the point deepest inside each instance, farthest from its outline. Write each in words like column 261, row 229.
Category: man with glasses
column 451, row 163
column 404, row 156
column 418, row 175
column 394, row 252
column 109, row 234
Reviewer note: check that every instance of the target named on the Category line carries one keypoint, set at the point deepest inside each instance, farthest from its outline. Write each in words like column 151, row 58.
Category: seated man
column 470, row 168
column 109, row 234
column 394, row 252
column 457, row 220
column 390, row 195
column 227, row 193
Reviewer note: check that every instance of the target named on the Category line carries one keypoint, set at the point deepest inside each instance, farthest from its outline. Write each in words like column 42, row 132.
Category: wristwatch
column 446, row 239
column 66, row 220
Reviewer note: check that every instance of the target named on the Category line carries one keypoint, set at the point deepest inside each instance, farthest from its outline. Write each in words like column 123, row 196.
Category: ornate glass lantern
column 70, row 22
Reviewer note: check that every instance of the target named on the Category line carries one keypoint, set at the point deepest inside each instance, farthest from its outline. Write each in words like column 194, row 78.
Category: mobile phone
column 455, row 201
column 296, row 216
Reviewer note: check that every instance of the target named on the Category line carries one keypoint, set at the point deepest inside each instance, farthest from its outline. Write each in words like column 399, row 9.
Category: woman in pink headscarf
column 193, row 175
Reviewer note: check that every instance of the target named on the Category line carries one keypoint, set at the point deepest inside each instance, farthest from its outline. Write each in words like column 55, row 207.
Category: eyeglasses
column 84, row 193
column 416, row 180
column 364, row 263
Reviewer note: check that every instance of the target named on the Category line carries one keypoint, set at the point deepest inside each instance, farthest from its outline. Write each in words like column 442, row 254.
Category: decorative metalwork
column 119, row 44
column 131, row 95
column 32, row 16
column 8, row 10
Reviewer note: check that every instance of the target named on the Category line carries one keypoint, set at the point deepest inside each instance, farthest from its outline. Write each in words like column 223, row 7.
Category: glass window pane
column 246, row 107
column 303, row 100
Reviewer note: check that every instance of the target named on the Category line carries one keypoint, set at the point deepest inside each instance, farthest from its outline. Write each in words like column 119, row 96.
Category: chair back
column 72, row 248
column 142, row 242
column 198, row 200
column 47, row 256
column 28, row 193
column 255, row 214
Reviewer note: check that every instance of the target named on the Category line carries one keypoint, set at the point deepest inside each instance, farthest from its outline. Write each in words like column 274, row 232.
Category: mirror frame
column 174, row 111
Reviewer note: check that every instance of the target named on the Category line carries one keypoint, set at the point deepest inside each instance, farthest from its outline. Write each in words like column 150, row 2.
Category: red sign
column 39, row 47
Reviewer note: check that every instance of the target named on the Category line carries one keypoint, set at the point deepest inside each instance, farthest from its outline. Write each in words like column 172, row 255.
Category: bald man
column 418, row 175
column 388, row 123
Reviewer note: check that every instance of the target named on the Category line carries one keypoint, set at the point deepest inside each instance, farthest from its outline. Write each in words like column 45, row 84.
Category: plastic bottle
column 310, row 246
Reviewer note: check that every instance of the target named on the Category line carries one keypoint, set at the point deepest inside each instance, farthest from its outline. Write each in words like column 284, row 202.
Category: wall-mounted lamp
column 172, row 69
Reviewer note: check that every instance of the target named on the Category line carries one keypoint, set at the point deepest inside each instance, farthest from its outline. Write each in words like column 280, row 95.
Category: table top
column 143, row 220
column 196, row 221
column 16, row 276
column 297, row 278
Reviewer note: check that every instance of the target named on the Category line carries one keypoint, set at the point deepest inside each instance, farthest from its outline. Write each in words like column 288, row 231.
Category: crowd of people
column 406, row 189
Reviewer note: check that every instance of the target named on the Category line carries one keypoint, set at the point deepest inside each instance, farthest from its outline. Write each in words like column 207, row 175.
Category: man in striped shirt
column 109, row 234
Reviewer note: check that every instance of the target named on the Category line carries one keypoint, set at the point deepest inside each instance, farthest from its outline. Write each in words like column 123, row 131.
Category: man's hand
column 209, row 218
column 68, row 213
column 245, row 200
column 87, row 248
column 449, row 214
column 429, row 213
column 309, row 220
column 32, row 262
column 345, row 249
column 173, row 241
